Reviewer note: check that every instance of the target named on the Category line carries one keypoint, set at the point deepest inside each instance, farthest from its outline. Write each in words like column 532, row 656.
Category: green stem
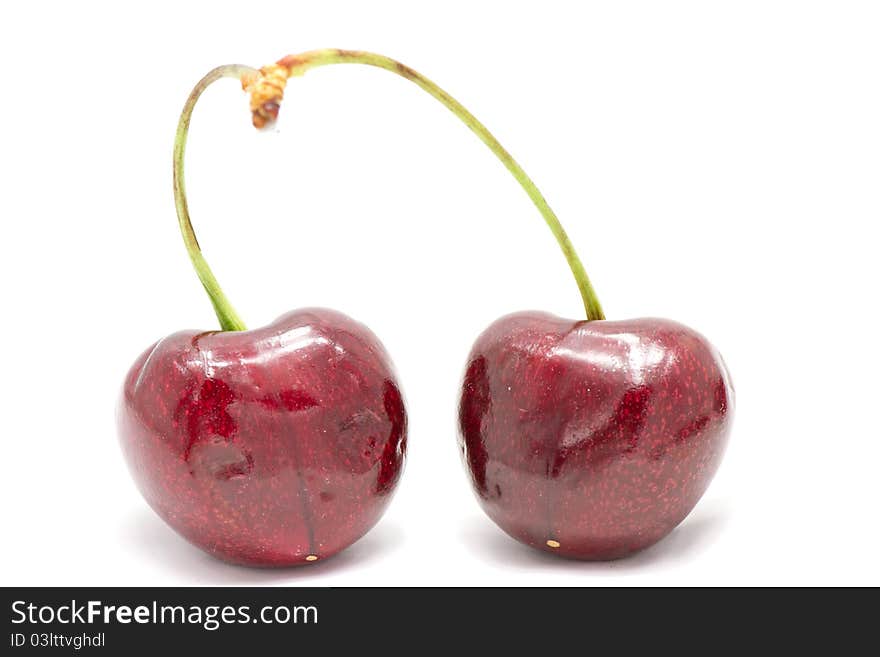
column 229, row 319
column 299, row 64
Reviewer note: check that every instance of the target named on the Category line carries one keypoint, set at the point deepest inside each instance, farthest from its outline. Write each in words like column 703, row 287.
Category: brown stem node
column 266, row 90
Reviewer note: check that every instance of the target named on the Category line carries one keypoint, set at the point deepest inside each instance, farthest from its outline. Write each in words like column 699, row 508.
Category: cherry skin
column 271, row 447
column 592, row 440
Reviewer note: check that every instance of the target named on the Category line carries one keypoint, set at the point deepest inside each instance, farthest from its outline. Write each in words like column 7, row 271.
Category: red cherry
column 593, row 439
column 269, row 447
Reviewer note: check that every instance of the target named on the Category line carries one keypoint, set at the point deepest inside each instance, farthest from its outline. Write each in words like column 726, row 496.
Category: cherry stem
column 229, row 319
column 266, row 111
column 299, row 64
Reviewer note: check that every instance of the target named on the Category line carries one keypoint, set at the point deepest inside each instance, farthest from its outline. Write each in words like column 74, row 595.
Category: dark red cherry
column 592, row 439
column 270, row 447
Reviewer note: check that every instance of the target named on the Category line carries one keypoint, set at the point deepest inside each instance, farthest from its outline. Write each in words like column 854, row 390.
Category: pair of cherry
column 282, row 445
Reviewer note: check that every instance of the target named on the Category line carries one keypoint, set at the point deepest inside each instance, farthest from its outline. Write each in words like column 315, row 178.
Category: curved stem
column 299, row 64
column 229, row 319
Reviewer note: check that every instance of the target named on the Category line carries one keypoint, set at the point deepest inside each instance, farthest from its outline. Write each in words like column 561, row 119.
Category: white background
column 715, row 163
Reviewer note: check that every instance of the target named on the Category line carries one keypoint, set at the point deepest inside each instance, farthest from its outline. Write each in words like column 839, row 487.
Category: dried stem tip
column 266, row 89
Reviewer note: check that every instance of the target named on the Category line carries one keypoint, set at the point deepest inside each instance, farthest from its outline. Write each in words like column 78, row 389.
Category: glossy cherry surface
column 592, row 439
column 275, row 446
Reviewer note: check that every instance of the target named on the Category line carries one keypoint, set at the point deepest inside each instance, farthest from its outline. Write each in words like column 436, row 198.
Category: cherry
column 272, row 447
column 592, row 439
